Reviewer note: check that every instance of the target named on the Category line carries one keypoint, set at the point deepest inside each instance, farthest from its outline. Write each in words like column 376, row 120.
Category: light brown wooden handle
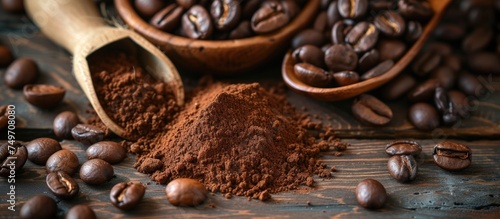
column 66, row 22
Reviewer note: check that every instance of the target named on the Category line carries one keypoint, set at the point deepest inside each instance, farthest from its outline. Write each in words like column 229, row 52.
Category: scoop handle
column 66, row 22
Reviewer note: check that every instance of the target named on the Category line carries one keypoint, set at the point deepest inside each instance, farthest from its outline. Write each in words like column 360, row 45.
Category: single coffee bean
column 371, row 194
column 108, row 151
column 87, row 134
column 63, row 123
column 362, row 37
column 185, row 192
column 445, row 76
column 415, row 10
column 225, row 13
column 197, row 24
column 424, row 116
column 186, row 4
column 269, row 18
column 43, row 95
column 21, row 72
column 243, row 30
column 308, row 36
column 460, row 103
column 403, row 147
column 445, row 106
column 345, row 78
column 424, row 91
column 470, row 85
column 168, row 18
column 453, row 61
column 312, row 75
column 321, row 22
column 484, row 62
column 126, row 195
column 368, row 60
column 341, row 58
column 38, row 207
column 62, row 160
column 413, row 31
column 443, row 49
column 40, row 149
column 477, row 39
column 391, row 49
column 353, row 9
column 398, row 87
column 12, row 157
column 369, row 109
column 378, row 70
column 402, row 168
column 5, row 56
column 390, row 23
column 148, row 8
column 426, row 62
column 4, row 116
column 449, row 31
column 332, row 13
column 62, row 185
column 310, row 54
column 96, row 171
column 452, row 156
column 13, row 6
column 81, row 212
column 338, row 36
column 291, row 8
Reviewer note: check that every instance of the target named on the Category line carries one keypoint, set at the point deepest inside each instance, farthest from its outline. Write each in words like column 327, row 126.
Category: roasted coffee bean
column 413, row 31
column 403, row 147
column 445, row 106
column 308, row 36
column 338, row 36
column 108, row 151
column 341, row 58
column 452, row 156
column 426, row 62
column 453, row 61
column 362, row 36
column 353, row 9
column 424, row 91
column 126, row 195
column 40, row 149
column 380, row 5
column 291, row 8
column 62, row 185
column 312, row 75
column 87, row 134
column 402, row 168
column 415, row 9
column 21, row 72
column 5, row 56
column 96, row 171
column 368, row 60
column 460, row 102
column 269, row 18
column 321, row 22
column 470, row 85
column 345, row 78
column 43, row 95
column 484, row 62
column 226, row 13
column 168, row 18
column 62, row 160
column 477, row 39
column 398, row 87
column 332, row 13
column 38, row 207
column 12, row 158
column 185, row 192
column 63, row 123
column 310, row 54
column 391, row 49
column 186, row 4
column 81, row 212
column 4, row 116
column 148, row 8
column 378, row 70
column 445, row 75
column 371, row 194
column 424, row 116
column 243, row 30
column 449, row 31
column 197, row 24
column 369, row 109
column 390, row 23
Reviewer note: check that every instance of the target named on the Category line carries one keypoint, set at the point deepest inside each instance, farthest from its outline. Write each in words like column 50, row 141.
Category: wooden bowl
column 222, row 56
column 349, row 91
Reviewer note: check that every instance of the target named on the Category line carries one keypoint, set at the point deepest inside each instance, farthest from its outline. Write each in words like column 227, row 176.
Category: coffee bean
column 81, row 212
column 250, row 7
column 185, row 192
column 96, row 171
column 449, row 31
column 40, row 149
column 321, row 22
column 43, row 95
column 197, row 24
column 338, row 36
column 413, row 31
column 243, row 30
column 13, row 6
column 426, row 62
column 398, row 87
column 380, row 5
column 4, row 116
column 403, row 147
column 452, row 156
column 21, row 72
column 424, row 116
column 312, row 75
column 477, row 39
column 378, row 70
column 391, row 49
column 415, row 10
column 371, row 194
column 402, row 168
column 362, row 37
column 445, row 106
column 225, row 13
column 63, row 123
column 186, row 4
column 291, row 8
column 424, row 91
column 5, row 56
column 62, row 185
column 368, row 109
column 460, row 103
column 341, row 58
column 368, row 60
column 126, row 195
column 345, row 78
column 453, row 61
column 148, row 8
column 310, row 54
column 269, row 18
column 62, row 160
column 12, row 157
column 443, row 49
column 390, row 23
column 39, row 207
column 168, row 18
column 308, row 36
column 470, row 85
column 484, row 62
column 445, row 76
column 333, row 13
column 353, row 9
column 108, row 151
column 87, row 134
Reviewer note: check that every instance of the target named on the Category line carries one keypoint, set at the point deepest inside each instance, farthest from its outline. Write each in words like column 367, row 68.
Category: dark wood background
column 474, row 192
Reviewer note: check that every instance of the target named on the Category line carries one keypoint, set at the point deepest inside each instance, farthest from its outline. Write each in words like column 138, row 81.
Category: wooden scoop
column 345, row 92
column 77, row 26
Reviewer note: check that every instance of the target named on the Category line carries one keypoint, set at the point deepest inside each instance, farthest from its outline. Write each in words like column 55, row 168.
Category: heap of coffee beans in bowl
column 218, row 19
column 355, row 40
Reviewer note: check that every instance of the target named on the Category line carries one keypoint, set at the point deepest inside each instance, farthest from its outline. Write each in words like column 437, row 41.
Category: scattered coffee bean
column 398, row 87
column 81, row 212
column 403, row 147
column 5, row 56
column 87, row 134
column 402, row 168
column 96, row 171
column 424, row 116
column 62, row 160
column 445, row 75
column 452, row 156
column 168, row 18
column 38, row 207
column 43, row 95
column 40, row 149
column 10, row 159
column 21, row 72
column 426, row 62
column 413, row 31
column 390, row 23
column 225, row 13
column 62, row 185
column 445, row 106
column 148, row 8
column 345, row 78
column 63, row 123
column 371, row 194
column 341, row 58
column 369, row 60
column 369, row 109
column 185, row 192
column 270, row 17
column 424, row 91
column 312, row 75
column 197, row 24
column 108, row 151
column 391, row 49
column 352, row 9
column 309, row 54
column 415, row 10
column 243, row 30
column 471, row 85
column 362, row 37
column 378, row 70
column 460, row 103
column 127, row 195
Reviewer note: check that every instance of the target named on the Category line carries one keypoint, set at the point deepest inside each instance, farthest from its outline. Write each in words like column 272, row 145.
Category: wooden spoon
column 345, row 92
column 77, row 26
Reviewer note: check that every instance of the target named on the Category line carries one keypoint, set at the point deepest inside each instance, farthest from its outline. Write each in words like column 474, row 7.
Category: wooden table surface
column 473, row 192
